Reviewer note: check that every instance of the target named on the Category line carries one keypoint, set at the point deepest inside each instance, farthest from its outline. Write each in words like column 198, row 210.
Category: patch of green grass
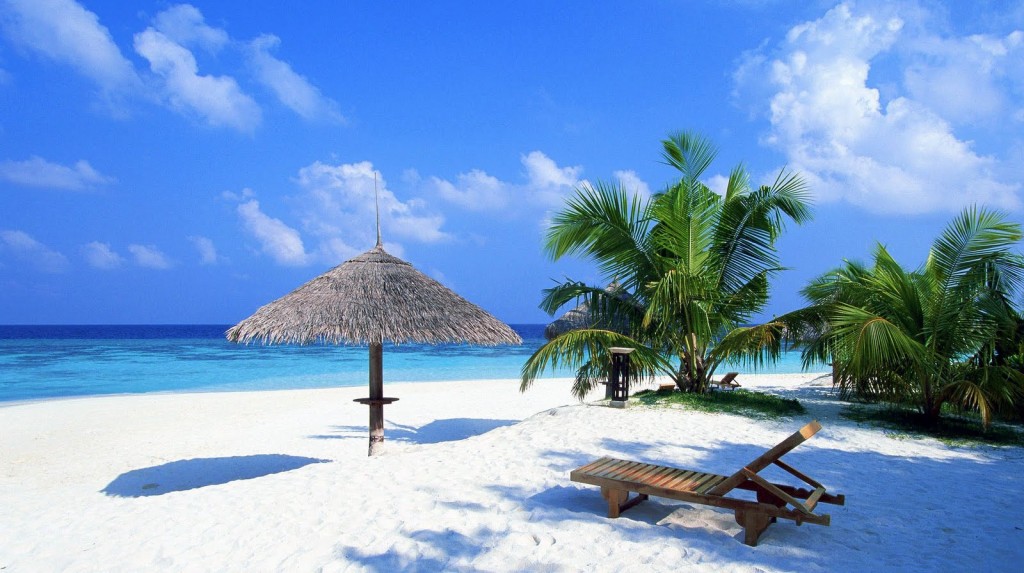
column 950, row 430
column 742, row 402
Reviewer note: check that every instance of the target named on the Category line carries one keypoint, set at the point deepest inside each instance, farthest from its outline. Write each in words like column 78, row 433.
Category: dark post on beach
column 620, row 376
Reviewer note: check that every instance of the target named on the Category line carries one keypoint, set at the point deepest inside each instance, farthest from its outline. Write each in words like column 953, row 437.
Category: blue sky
column 186, row 163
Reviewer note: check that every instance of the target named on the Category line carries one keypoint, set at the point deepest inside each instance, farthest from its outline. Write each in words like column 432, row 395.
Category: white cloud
column 411, row 177
column 475, row 190
column 101, row 256
column 547, row 185
column 67, row 33
column 967, row 79
column 207, row 251
column 718, row 183
column 339, row 203
column 632, row 183
column 218, row 100
column 238, row 197
column 25, row 248
column 544, row 172
column 292, row 89
column 184, row 24
column 336, row 209
column 38, row 172
column 149, row 256
column 900, row 155
column 281, row 242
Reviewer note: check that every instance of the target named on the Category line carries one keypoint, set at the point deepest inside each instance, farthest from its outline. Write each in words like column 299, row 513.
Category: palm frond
column 690, row 153
column 874, row 343
column 754, row 346
column 604, row 222
column 686, row 216
column 751, row 223
column 738, row 184
column 969, row 252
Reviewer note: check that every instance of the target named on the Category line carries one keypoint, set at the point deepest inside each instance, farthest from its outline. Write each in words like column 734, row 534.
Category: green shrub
column 951, row 429
column 742, row 402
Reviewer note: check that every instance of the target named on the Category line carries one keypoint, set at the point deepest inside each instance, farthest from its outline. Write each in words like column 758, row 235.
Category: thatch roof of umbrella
column 573, row 319
column 371, row 299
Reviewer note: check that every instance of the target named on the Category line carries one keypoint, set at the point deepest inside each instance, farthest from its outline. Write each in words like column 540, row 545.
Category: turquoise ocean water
column 45, row 362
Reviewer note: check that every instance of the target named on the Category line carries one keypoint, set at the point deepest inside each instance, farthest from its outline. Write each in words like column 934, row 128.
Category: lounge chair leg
column 617, row 500
column 753, row 523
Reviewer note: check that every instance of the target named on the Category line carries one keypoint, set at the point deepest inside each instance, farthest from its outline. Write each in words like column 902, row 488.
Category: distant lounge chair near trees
column 728, row 382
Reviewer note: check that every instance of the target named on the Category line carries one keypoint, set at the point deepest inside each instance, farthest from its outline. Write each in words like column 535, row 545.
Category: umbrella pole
column 376, row 398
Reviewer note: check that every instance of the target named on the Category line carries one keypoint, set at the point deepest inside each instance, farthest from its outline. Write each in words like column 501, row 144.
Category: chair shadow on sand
column 436, row 432
column 184, row 475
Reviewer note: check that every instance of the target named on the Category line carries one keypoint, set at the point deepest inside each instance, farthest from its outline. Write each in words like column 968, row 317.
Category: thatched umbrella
column 371, row 299
column 573, row 319
column 580, row 317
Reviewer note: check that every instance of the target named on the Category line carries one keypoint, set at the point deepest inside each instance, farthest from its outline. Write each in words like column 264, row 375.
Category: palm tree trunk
column 692, row 374
column 930, row 405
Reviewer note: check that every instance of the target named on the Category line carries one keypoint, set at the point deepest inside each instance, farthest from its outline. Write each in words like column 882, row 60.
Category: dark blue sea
column 43, row 362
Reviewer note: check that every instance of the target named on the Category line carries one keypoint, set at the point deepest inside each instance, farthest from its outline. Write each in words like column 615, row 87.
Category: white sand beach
column 475, row 478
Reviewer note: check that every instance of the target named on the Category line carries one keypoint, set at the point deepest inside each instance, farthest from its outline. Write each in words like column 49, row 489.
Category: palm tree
column 926, row 337
column 689, row 264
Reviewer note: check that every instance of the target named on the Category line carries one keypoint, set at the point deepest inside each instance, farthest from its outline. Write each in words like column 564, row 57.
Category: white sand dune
column 475, row 478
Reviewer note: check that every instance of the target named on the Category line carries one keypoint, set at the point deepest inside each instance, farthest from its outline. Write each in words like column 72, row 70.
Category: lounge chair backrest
column 768, row 458
column 728, row 378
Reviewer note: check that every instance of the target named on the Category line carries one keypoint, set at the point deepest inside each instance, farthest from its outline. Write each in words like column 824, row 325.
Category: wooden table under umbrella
column 369, row 300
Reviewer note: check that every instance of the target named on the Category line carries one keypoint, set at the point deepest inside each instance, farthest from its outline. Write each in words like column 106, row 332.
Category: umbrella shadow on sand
column 184, row 475
column 436, row 432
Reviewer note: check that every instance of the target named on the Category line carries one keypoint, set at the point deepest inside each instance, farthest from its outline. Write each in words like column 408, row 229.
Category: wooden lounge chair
column 728, row 382
column 619, row 477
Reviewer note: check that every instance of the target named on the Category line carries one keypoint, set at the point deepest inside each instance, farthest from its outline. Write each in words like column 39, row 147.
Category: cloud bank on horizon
column 880, row 105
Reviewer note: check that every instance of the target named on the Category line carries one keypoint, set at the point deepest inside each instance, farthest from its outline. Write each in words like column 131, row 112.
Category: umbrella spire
column 376, row 198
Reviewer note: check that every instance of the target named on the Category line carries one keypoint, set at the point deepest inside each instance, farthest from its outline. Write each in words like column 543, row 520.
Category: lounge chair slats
column 647, row 474
column 700, row 483
column 684, row 476
column 595, row 466
column 617, row 478
column 664, row 475
column 610, row 469
column 709, row 484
